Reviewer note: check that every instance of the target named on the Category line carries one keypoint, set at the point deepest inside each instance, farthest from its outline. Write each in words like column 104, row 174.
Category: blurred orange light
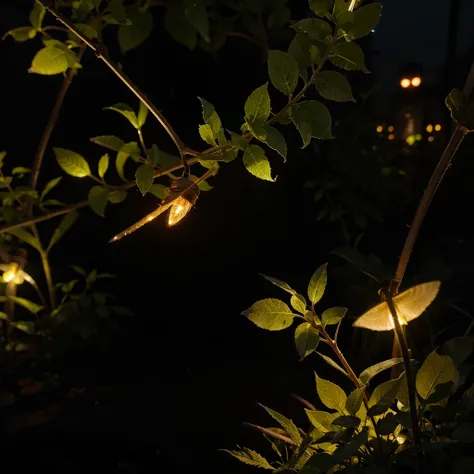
column 429, row 128
column 391, row 136
column 416, row 81
column 431, row 139
column 437, row 127
column 379, row 129
column 405, row 83
column 390, row 128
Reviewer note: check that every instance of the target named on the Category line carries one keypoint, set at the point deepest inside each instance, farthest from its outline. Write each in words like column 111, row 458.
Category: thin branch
column 304, row 402
column 142, row 142
column 337, row 330
column 245, row 36
column 271, row 433
column 52, row 120
column 100, row 52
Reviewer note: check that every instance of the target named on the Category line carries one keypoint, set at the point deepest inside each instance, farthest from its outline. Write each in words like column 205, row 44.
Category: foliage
column 367, row 429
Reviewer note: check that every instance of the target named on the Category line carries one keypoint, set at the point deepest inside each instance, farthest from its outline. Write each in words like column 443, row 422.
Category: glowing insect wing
column 409, row 305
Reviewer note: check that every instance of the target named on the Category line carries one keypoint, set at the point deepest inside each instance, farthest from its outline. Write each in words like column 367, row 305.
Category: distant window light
column 380, row 129
column 418, row 137
column 391, row 128
column 416, row 81
column 431, row 139
column 429, row 128
column 405, row 83
column 391, row 136
column 411, row 140
column 438, row 127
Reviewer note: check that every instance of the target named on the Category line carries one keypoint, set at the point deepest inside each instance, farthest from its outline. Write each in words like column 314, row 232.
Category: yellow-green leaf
column 72, row 163
column 436, row 369
column 103, row 165
column 270, row 314
column 283, row 71
column 298, row 302
column 97, row 199
column 65, row 224
column 306, row 339
column 257, row 163
column 144, row 177
column 313, row 120
column 126, row 111
column 317, row 284
column 332, row 85
column 49, row 61
column 331, row 394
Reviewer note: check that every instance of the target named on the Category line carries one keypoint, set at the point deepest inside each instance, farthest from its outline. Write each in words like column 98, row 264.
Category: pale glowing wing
column 412, row 303
column 153, row 215
column 377, row 319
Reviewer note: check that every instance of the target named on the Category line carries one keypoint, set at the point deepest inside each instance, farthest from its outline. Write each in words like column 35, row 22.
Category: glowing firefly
column 409, row 305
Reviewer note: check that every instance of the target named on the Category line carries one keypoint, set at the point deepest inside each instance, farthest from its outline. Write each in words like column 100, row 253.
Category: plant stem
column 46, row 269
column 142, row 142
column 100, row 52
column 52, row 120
column 271, row 433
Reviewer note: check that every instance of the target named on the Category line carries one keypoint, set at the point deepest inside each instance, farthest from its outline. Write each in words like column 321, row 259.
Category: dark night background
column 186, row 371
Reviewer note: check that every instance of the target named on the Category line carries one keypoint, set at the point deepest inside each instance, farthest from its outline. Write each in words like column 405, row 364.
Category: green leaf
column 383, row 396
column 109, row 141
column 368, row 374
column 298, row 302
column 321, row 7
column 275, row 140
column 144, row 177
column 131, row 36
column 142, row 114
column 27, row 327
column 331, row 394
column 179, row 28
column 436, row 369
column 20, row 170
column 270, row 314
column 316, row 29
column 333, row 364
column 117, row 196
column 365, row 20
column 79, row 270
column 334, row 86
column 257, row 163
column 21, row 34
column 97, row 199
column 299, row 48
column 286, row 424
column 459, row 349
column 207, row 135
column 354, row 400
column 252, row 458
column 26, row 237
column 103, row 165
column 196, row 14
column 348, row 56
column 117, row 10
column 257, row 107
column 37, row 15
column 50, row 60
column 454, row 102
column 65, row 224
column 281, row 284
column 128, row 150
column 317, row 284
column 283, row 71
column 306, row 339
column 126, row 111
column 347, row 421
column 159, row 190
column 322, row 420
column 27, row 304
column 211, row 117
column 333, row 315
column 72, row 163
column 312, row 119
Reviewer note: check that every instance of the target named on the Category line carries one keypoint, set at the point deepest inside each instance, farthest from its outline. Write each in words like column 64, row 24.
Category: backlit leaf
column 317, row 284
column 299, row 48
column 144, row 177
column 142, row 114
column 281, row 284
column 252, row 458
column 22, row 33
column 65, row 224
column 283, row 71
column 26, row 237
column 313, row 120
column 72, row 163
column 275, row 140
column 27, row 327
column 109, row 141
column 257, row 163
column 436, row 369
column 333, row 315
column 454, row 102
column 131, row 36
column 128, row 150
column 321, row 420
column 270, row 314
column 331, row 395
column 37, row 15
column 333, row 86
column 103, row 165
column 369, row 373
column 126, row 111
column 348, row 56
column 117, row 196
column 257, row 107
column 97, row 199
column 27, row 304
column 383, row 396
column 365, row 19
column 315, row 28
column 298, row 302
column 159, row 190
column 306, row 339
column 49, row 61
column 333, row 364
column 354, row 400
column 286, row 424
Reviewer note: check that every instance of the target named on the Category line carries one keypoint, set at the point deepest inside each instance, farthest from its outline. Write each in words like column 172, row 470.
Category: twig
column 271, row 433
column 304, row 402
column 52, row 120
column 100, row 52
column 142, row 142
column 239, row 34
